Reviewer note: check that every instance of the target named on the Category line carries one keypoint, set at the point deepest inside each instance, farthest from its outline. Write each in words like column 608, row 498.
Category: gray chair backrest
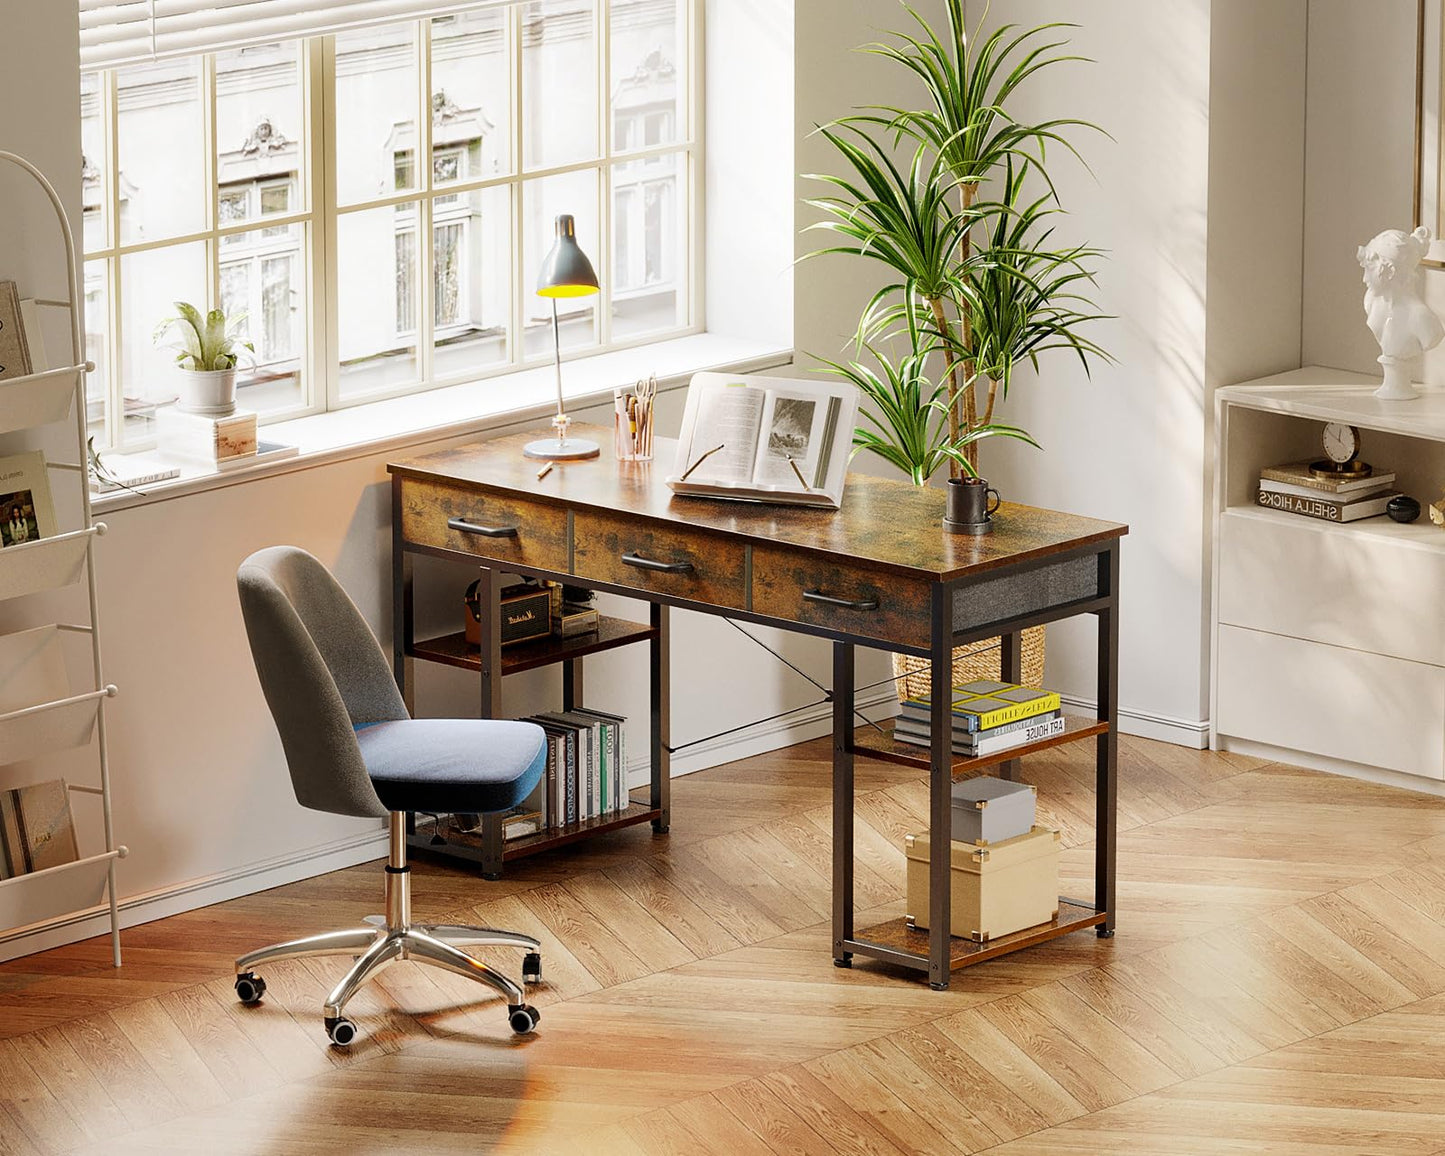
column 322, row 673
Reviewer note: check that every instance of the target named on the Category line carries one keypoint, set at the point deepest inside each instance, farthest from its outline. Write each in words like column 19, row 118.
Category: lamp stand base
column 561, row 449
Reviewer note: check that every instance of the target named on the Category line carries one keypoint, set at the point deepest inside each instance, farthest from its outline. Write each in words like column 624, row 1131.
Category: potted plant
column 955, row 199
column 207, row 353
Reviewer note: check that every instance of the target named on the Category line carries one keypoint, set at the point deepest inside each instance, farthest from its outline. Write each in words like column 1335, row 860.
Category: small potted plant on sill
column 207, row 353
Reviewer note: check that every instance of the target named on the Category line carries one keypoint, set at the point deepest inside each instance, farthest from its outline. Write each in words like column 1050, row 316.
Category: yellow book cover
column 985, row 704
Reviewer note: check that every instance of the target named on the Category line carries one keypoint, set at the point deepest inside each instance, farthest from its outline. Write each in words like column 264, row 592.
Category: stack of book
column 987, row 717
column 1294, row 489
column 586, row 775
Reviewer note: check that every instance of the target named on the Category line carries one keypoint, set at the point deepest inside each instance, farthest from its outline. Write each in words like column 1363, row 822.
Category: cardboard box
column 995, row 890
column 989, row 810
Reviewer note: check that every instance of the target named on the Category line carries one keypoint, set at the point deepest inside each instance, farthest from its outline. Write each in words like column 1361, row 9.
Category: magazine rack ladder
column 58, row 720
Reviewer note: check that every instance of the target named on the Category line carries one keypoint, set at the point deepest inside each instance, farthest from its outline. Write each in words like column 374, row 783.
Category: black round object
column 341, row 1031
column 1403, row 508
column 524, row 1019
column 250, row 987
column 532, row 968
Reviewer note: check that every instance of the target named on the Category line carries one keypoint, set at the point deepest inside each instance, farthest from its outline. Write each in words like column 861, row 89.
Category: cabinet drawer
column 1371, row 586
column 505, row 529
column 1345, row 704
column 797, row 587
column 681, row 562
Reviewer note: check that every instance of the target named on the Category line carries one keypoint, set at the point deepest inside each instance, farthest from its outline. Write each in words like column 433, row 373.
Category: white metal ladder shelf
column 62, row 718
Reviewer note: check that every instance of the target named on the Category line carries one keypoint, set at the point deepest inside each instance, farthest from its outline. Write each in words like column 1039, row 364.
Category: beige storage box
column 996, row 890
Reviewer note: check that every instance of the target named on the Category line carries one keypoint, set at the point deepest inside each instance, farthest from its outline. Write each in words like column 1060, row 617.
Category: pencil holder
column 632, row 417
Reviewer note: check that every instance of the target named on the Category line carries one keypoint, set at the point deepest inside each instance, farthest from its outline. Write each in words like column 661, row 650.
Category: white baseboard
column 158, row 904
column 1332, row 766
column 1142, row 724
column 203, row 892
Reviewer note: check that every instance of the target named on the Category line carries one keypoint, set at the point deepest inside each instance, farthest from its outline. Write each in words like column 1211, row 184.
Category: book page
column 729, row 416
column 794, row 426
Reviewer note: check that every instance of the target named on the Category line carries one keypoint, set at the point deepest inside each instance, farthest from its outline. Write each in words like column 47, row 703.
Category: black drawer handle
column 844, row 603
column 660, row 567
column 481, row 531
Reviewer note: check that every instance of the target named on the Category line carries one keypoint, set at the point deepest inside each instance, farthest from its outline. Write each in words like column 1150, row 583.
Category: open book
column 765, row 439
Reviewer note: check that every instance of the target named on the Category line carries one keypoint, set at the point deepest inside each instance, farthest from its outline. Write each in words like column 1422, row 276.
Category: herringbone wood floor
column 1277, row 986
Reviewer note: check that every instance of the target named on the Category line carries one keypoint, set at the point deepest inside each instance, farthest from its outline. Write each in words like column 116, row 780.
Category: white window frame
column 315, row 188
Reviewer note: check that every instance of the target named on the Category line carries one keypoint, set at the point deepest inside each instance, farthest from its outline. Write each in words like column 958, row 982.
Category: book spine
column 1051, row 728
column 619, row 770
column 1305, row 479
column 1325, row 509
column 553, row 817
column 571, row 742
column 604, row 768
column 988, row 720
column 1359, row 494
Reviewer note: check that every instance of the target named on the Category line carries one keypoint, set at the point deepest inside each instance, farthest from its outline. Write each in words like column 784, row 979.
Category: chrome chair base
column 382, row 942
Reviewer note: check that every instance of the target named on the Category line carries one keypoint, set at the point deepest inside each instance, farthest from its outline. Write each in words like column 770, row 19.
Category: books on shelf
column 984, row 704
column 977, row 744
column 1327, row 508
column 26, row 512
column 591, row 777
column 1298, row 476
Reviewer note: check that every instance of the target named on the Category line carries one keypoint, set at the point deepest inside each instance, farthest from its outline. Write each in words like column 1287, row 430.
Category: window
column 302, row 220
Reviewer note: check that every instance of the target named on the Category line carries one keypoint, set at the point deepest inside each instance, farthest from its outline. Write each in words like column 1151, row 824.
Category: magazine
column 768, row 439
column 26, row 514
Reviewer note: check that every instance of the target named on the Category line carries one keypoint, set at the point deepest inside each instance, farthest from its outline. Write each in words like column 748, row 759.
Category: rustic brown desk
column 880, row 572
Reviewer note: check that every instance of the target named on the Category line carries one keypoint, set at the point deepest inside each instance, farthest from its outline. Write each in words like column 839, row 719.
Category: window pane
column 377, row 298
column 472, row 95
column 473, row 276
column 649, row 246
column 559, row 82
column 93, row 163
column 542, row 202
column 161, row 149
column 97, row 345
column 260, row 128
column 376, row 117
column 647, row 77
column 151, row 283
column 263, row 285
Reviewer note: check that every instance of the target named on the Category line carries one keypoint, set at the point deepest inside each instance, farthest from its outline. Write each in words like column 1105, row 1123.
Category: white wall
column 1361, row 168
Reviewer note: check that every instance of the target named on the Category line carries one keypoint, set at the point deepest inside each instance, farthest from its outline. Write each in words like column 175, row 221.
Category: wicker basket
column 976, row 661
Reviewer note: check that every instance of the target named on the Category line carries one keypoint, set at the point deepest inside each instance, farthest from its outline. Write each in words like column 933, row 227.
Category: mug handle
column 997, row 501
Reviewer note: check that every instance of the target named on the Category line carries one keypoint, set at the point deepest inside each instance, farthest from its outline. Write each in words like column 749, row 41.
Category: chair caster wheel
column 341, row 1031
column 532, row 967
column 1106, row 933
column 524, row 1019
column 250, row 987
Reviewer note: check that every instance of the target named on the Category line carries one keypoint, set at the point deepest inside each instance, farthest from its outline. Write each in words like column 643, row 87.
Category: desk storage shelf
column 880, row 744
column 43, row 711
column 1329, row 640
column 454, row 650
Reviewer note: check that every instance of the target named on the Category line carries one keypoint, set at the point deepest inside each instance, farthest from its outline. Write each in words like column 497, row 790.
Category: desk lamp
column 566, row 272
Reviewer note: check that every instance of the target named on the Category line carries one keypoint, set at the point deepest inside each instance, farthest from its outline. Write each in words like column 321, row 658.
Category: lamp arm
column 561, row 421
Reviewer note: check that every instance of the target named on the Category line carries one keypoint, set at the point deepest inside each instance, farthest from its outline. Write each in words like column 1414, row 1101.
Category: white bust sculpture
column 1397, row 314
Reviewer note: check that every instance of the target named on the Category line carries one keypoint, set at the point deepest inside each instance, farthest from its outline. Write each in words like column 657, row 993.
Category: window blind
column 116, row 32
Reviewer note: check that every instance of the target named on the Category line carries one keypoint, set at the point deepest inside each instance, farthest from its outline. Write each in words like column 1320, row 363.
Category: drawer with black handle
column 505, row 529
column 798, row 587
column 683, row 562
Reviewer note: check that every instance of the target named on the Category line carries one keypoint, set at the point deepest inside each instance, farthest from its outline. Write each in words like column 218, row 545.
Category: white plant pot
column 210, row 392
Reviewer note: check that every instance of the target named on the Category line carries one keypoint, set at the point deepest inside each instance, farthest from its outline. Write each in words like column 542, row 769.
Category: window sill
column 486, row 406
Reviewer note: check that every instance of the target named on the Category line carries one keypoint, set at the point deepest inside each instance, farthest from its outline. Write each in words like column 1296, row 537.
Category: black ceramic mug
column 968, row 503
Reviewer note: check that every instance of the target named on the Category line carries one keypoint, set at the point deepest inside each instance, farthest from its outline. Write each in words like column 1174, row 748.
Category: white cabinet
column 1329, row 640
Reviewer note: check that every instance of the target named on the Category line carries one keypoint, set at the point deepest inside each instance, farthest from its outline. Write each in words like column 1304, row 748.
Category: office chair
column 353, row 749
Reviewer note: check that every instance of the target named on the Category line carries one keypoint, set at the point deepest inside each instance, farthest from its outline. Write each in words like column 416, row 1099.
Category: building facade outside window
column 303, row 217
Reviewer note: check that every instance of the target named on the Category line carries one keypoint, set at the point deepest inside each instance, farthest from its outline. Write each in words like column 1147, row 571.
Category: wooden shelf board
column 880, row 744
column 897, row 936
column 1421, row 534
column 453, row 649
column 469, row 845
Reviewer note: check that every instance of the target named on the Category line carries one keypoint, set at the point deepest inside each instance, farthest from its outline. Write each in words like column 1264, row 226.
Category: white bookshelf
column 1329, row 640
column 47, row 707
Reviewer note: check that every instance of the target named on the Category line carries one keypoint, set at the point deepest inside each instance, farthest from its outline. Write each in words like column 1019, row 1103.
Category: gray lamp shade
column 566, row 271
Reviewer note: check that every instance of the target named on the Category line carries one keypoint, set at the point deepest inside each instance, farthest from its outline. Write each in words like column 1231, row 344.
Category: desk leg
column 572, row 684
column 402, row 622
column 1107, row 756
column 659, row 662
column 489, row 595
column 1011, row 669
column 940, row 779
column 843, row 849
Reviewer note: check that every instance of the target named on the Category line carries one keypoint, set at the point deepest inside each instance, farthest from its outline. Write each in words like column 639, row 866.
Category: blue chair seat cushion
column 453, row 765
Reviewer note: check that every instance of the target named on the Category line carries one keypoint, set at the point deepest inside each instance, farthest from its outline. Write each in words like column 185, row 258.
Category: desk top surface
column 890, row 525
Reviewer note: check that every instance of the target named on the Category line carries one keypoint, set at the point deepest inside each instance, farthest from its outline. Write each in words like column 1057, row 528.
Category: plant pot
column 209, row 392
